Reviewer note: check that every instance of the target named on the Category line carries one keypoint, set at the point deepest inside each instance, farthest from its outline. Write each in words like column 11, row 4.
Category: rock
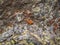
column 36, row 9
column 19, row 16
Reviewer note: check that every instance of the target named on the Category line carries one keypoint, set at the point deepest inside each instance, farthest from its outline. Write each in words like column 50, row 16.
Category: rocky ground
column 29, row 22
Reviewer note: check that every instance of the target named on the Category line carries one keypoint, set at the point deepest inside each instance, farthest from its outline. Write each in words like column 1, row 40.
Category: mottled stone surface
column 29, row 22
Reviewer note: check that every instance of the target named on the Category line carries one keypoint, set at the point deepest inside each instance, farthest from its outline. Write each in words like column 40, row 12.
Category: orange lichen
column 29, row 21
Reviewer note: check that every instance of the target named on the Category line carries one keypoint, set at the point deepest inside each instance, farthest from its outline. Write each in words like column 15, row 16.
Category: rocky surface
column 29, row 22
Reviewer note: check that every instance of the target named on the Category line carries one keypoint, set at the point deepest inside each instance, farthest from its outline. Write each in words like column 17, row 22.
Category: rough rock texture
column 29, row 22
